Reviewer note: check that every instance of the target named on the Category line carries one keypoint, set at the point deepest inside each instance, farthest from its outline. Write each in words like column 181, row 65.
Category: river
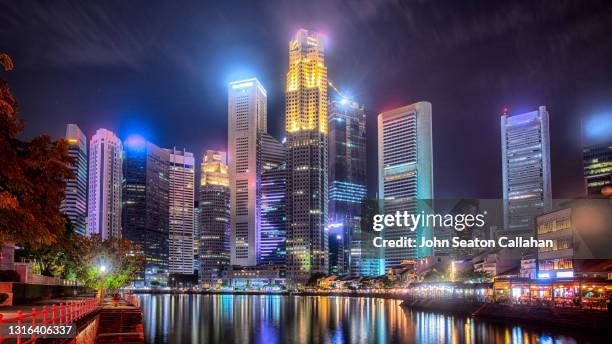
column 270, row 319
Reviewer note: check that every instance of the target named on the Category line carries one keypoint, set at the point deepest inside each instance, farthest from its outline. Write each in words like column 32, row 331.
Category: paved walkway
column 119, row 322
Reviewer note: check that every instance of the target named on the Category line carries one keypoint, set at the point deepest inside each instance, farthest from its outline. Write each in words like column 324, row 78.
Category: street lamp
column 102, row 271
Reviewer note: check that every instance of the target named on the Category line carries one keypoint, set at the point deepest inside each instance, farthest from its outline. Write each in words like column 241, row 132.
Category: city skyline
column 130, row 105
column 380, row 171
column 158, row 191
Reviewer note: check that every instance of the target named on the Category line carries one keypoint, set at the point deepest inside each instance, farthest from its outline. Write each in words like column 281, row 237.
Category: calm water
column 282, row 319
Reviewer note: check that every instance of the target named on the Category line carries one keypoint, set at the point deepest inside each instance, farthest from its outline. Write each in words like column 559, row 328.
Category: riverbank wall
column 23, row 294
column 529, row 315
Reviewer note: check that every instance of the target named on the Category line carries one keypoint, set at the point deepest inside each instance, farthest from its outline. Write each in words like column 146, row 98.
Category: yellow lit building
column 214, row 218
column 306, row 127
column 214, row 169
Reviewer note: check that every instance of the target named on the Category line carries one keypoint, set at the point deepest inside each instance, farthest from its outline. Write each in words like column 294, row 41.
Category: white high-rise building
column 105, row 173
column 525, row 169
column 181, row 214
column 405, row 171
column 74, row 204
column 247, row 102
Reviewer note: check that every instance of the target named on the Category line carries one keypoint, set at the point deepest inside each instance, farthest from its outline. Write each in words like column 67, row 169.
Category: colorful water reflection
column 270, row 319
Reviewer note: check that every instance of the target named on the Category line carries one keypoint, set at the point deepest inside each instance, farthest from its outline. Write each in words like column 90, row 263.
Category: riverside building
column 405, row 173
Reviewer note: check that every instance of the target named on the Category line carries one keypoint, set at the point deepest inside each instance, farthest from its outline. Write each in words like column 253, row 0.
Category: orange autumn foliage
column 32, row 177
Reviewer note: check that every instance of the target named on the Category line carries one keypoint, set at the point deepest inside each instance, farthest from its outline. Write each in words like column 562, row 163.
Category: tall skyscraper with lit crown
column 74, row 204
column 306, row 128
column 214, row 218
column 105, row 173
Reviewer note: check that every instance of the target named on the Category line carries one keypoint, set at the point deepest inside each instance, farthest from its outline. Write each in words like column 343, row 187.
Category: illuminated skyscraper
column 146, row 207
column 405, row 170
column 104, row 206
column 598, row 170
column 215, row 218
column 247, row 112
column 181, row 212
column 597, row 155
column 196, row 235
column 347, row 185
column 74, row 204
column 525, row 169
column 306, row 127
column 272, row 189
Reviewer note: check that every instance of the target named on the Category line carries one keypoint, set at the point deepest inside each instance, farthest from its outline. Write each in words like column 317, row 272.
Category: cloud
column 82, row 33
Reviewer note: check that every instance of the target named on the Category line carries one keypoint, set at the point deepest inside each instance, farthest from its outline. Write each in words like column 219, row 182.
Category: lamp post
column 102, row 271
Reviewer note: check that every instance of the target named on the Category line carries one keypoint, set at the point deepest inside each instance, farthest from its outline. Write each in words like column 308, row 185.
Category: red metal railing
column 57, row 314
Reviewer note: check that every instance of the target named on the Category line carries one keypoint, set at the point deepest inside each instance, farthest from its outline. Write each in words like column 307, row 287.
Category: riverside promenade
column 120, row 321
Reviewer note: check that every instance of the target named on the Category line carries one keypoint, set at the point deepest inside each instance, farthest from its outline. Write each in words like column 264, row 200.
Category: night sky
column 161, row 70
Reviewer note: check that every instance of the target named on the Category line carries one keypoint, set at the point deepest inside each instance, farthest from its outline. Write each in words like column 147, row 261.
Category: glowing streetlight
column 102, row 271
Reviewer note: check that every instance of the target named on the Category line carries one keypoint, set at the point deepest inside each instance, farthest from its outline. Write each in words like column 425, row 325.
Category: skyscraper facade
column 105, row 171
column 181, row 198
column 215, row 218
column 306, row 128
column 146, row 205
column 74, row 204
column 247, row 101
column 405, row 171
column 597, row 160
column 272, row 186
column 196, row 235
column 525, row 169
column 347, row 184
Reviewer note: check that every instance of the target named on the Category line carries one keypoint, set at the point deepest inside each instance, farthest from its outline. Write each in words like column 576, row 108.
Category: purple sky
column 161, row 70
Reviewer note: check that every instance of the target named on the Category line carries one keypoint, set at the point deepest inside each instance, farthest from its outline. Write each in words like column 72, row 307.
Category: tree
column 78, row 258
column 123, row 260
column 52, row 260
column 32, row 178
column 434, row 275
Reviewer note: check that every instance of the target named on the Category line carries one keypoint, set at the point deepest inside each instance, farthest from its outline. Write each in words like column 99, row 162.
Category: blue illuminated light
column 135, row 141
column 598, row 127
column 243, row 85
column 347, row 192
column 543, row 275
column 565, row 274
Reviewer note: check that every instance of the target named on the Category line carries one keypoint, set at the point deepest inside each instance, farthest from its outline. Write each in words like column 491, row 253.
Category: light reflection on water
column 270, row 319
